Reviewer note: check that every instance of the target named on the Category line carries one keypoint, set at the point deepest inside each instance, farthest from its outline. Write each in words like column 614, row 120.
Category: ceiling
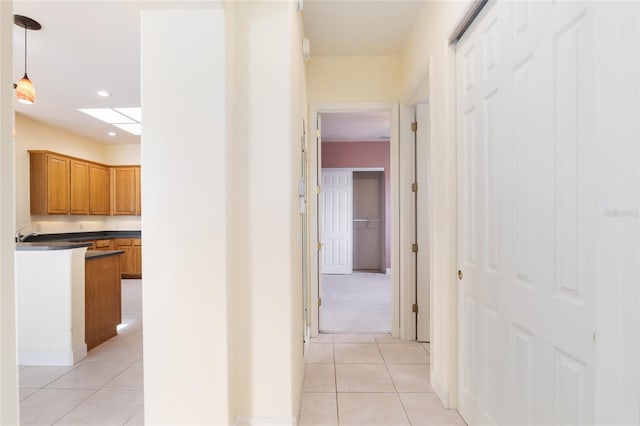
column 355, row 127
column 83, row 47
column 86, row 46
column 360, row 27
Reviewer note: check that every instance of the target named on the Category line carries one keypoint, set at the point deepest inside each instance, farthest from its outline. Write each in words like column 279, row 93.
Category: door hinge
column 414, row 187
column 415, row 308
column 319, row 301
column 319, row 246
column 318, row 189
column 318, row 133
column 414, row 126
column 414, row 247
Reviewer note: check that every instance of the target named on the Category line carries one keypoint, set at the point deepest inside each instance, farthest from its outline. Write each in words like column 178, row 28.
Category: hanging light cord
column 25, row 49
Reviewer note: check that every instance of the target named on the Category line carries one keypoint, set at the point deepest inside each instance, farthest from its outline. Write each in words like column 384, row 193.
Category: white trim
column 266, row 421
column 406, row 226
column 440, row 390
column 393, row 109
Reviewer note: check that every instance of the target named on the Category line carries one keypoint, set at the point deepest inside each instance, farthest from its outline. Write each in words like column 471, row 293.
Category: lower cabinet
column 131, row 260
column 102, row 299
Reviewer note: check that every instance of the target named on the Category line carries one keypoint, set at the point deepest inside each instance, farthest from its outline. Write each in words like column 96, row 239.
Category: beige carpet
column 356, row 303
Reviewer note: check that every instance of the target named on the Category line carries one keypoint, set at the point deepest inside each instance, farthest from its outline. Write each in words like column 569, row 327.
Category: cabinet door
column 138, row 192
column 99, row 189
column 123, row 189
column 103, row 244
column 136, row 257
column 126, row 264
column 79, row 172
column 58, row 185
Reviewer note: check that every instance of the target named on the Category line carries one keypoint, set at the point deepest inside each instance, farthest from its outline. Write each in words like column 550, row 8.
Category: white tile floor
column 351, row 379
column 104, row 389
column 366, row 379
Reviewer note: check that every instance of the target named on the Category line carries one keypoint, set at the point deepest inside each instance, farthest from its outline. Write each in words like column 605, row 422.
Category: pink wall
column 364, row 154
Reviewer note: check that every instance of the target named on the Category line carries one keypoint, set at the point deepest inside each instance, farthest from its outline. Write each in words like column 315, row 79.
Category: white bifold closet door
column 526, row 214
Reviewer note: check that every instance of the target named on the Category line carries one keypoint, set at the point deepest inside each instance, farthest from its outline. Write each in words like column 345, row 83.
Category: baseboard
column 388, row 271
column 440, row 390
column 266, row 421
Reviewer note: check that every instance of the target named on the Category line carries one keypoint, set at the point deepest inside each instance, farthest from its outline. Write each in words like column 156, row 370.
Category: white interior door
column 336, row 253
column 526, row 215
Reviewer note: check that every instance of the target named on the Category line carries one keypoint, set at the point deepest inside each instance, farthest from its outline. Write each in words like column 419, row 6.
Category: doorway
column 368, row 222
column 355, row 285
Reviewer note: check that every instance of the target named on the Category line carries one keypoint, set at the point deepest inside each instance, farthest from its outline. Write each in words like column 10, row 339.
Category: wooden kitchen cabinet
column 131, row 260
column 125, row 190
column 49, row 182
column 61, row 184
column 136, row 257
column 103, row 244
column 99, row 189
column 79, row 189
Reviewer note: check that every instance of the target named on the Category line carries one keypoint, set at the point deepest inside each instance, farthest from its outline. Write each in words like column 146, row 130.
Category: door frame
column 314, row 180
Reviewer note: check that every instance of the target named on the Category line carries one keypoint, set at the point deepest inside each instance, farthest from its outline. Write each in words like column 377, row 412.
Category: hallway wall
column 353, row 78
column 427, row 53
column 263, row 242
column 8, row 359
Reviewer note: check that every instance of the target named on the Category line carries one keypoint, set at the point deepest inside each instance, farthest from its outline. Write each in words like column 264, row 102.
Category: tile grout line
column 77, row 405
column 404, row 410
column 335, row 378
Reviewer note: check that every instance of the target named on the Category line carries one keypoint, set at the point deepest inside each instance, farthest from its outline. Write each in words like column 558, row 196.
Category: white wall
column 8, row 361
column 122, row 154
column 427, row 52
column 332, row 79
column 36, row 135
column 185, row 286
column 264, row 249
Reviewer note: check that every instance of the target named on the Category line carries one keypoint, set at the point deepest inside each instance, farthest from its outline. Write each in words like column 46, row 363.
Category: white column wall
column 184, row 227
column 264, row 254
column 8, row 361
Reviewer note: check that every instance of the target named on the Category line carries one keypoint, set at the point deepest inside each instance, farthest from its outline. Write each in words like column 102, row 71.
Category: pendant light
column 25, row 92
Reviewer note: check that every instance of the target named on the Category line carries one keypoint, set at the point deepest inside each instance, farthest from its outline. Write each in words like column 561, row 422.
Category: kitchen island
column 50, row 303
column 68, row 301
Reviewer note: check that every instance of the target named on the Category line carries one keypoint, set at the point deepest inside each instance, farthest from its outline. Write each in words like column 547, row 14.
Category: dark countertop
column 82, row 236
column 96, row 254
column 52, row 245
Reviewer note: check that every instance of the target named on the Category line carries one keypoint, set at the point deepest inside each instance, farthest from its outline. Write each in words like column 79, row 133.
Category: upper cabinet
column 79, row 172
column 49, row 183
column 99, row 193
column 65, row 185
column 125, row 193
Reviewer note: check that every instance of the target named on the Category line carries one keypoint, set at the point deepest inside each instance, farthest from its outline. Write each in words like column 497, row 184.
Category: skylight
column 127, row 119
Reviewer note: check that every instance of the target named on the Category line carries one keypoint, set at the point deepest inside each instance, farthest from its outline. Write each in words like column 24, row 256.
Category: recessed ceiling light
column 107, row 115
column 111, row 133
column 103, row 93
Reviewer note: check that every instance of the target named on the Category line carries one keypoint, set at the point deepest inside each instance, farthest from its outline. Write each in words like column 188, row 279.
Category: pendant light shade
column 25, row 92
